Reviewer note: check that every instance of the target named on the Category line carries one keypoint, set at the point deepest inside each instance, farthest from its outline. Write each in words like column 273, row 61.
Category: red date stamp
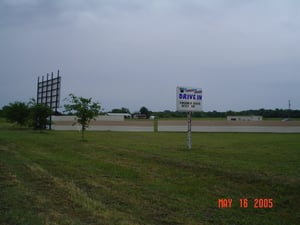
column 256, row 203
column 263, row 203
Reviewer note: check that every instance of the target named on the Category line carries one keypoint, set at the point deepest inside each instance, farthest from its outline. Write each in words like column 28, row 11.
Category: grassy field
column 147, row 178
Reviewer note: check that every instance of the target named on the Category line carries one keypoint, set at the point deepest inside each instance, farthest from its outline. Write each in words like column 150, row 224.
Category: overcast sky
column 244, row 54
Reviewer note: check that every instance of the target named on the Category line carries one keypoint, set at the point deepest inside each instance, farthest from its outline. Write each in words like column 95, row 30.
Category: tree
column 122, row 110
column 145, row 111
column 39, row 114
column 17, row 112
column 84, row 109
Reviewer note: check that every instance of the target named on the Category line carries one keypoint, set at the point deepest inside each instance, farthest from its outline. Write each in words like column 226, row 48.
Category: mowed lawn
column 147, row 178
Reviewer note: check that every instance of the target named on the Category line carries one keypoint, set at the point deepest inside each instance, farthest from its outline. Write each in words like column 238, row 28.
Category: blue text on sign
column 190, row 96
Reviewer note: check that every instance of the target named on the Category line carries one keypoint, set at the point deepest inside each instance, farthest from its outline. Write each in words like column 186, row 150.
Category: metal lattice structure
column 48, row 91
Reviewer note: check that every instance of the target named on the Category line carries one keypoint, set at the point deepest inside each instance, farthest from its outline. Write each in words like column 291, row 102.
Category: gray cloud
column 133, row 53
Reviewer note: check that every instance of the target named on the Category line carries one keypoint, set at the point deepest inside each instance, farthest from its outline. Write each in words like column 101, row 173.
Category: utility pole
column 289, row 111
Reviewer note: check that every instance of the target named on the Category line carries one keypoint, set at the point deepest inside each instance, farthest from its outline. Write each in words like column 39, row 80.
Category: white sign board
column 188, row 99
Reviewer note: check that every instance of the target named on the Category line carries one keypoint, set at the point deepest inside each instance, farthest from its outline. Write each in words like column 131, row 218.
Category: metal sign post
column 189, row 130
column 189, row 99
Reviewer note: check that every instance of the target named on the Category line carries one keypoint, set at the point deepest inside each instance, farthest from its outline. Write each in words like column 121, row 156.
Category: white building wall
column 245, row 118
column 98, row 118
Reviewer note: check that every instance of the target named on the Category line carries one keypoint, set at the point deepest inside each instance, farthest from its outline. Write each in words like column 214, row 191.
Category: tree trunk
column 82, row 132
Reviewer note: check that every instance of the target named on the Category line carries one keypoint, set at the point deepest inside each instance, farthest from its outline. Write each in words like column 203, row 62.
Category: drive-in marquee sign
column 48, row 91
column 188, row 99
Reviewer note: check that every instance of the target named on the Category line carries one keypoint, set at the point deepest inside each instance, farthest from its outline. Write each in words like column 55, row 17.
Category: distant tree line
column 266, row 113
column 19, row 112
column 122, row 110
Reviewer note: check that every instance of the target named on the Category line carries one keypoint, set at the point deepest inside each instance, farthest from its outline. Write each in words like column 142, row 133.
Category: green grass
column 147, row 178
